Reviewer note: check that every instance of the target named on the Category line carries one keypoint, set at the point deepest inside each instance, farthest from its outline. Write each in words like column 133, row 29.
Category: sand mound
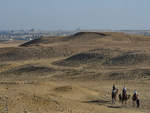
column 85, row 57
column 63, row 89
column 85, row 36
column 42, row 40
column 129, row 58
column 81, row 58
column 89, row 33
column 106, row 57
column 48, row 47
column 16, row 53
column 130, row 74
column 96, row 56
column 29, row 70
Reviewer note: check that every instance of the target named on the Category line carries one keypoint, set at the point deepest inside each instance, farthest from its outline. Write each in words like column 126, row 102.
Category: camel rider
column 124, row 91
column 135, row 92
column 135, row 95
column 136, row 98
column 113, row 88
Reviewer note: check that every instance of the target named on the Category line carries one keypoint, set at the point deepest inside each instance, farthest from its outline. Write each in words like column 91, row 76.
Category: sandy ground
column 70, row 89
column 69, row 97
column 10, row 43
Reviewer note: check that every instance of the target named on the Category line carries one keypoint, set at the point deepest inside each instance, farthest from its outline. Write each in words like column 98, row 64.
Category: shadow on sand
column 114, row 107
column 103, row 102
column 99, row 102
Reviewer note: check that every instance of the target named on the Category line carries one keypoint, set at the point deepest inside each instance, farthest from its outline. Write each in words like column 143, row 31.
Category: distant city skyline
column 73, row 14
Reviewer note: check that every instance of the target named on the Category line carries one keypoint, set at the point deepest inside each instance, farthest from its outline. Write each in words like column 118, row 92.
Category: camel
column 124, row 98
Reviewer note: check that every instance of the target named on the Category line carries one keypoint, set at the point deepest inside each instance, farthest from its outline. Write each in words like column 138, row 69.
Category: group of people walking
column 123, row 96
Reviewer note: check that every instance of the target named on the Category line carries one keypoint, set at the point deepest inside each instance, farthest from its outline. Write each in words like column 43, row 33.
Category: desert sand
column 74, row 74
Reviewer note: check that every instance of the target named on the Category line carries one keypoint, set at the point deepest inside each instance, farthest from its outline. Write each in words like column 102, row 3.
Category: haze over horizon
column 73, row 14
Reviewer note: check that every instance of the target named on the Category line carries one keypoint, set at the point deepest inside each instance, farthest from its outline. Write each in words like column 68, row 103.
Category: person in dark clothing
column 137, row 103
column 114, row 94
column 135, row 98
column 114, row 87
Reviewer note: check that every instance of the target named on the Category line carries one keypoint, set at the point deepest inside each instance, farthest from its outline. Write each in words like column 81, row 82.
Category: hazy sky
column 72, row 14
